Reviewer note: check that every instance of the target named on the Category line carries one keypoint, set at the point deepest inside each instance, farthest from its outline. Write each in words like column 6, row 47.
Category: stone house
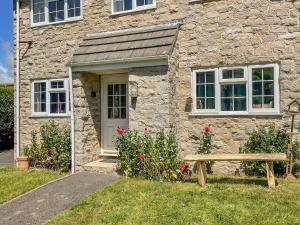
column 175, row 64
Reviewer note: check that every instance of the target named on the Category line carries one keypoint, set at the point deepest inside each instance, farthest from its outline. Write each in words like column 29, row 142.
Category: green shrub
column 205, row 145
column 150, row 156
column 53, row 149
column 6, row 117
column 268, row 139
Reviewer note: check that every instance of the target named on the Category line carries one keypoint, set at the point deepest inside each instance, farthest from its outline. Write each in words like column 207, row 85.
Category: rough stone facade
column 213, row 34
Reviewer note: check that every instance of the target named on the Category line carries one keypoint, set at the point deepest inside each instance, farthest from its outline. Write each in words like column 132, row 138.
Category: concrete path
column 42, row 204
column 6, row 158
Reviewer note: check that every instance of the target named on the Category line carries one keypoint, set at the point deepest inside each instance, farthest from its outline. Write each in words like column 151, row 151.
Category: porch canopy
column 139, row 47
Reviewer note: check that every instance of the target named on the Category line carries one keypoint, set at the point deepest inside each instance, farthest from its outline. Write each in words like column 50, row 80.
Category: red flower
column 183, row 167
column 120, row 130
column 141, row 156
column 52, row 152
column 207, row 129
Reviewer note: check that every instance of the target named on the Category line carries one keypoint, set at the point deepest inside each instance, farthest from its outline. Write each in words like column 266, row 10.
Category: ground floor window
column 236, row 90
column 50, row 97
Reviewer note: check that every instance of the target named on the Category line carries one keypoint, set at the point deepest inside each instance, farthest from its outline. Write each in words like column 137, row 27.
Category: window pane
column 110, row 101
column 62, row 108
column 128, row 4
column 140, row 2
column 210, row 90
column 227, row 74
column 116, row 101
column 39, row 97
column 257, row 88
column 60, row 5
column 77, row 12
column 226, row 90
column 201, row 90
column 210, row 103
column 123, row 101
column 238, row 73
column 77, row 3
column 227, row 104
column 54, row 97
column 38, row 9
column 210, row 77
column 200, row 77
column 257, row 74
column 54, row 108
column 269, row 88
column 240, row 104
column 268, row 73
column 123, row 113
column 62, row 97
column 110, row 89
column 116, row 113
column 200, row 103
column 269, row 102
column 116, row 89
column 110, row 113
column 148, row 2
column 123, row 89
column 257, row 102
column 118, row 6
column 56, row 10
column 239, row 90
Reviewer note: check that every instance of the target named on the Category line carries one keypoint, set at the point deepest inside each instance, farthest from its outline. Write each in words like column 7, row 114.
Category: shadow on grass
column 236, row 180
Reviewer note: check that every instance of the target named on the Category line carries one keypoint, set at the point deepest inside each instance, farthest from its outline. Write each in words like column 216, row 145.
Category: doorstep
column 106, row 164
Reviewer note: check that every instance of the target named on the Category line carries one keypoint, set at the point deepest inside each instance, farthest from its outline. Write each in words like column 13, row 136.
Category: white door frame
column 103, row 77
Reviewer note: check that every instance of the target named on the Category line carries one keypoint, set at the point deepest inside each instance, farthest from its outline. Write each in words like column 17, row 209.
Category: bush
column 206, row 146
column 268, row 139
column 150, row 156
column 6, row 117
column 53, row 150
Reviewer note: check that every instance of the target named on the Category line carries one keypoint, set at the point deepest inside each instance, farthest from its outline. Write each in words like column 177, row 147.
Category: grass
column 223, row 201
column 14, row 182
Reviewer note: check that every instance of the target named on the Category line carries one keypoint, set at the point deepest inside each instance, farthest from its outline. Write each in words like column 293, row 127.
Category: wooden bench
column 269, row 158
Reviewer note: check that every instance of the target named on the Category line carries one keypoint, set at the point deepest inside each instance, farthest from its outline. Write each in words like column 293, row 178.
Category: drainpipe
column 72, row 121
column 18, row 77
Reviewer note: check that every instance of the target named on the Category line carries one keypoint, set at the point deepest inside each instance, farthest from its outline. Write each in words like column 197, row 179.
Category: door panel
column 114, row 110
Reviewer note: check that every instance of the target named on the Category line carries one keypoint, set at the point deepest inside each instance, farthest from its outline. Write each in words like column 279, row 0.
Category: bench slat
column 238, row 157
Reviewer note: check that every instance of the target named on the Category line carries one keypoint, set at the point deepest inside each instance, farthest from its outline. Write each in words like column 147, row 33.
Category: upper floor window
column 120, row 6
column 51, row 11
column 238, row 90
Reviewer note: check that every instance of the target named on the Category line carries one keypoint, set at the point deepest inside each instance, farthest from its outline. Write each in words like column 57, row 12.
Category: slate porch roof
column 131, row 44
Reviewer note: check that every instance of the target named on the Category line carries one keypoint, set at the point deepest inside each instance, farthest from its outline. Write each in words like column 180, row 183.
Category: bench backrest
column 238, row 157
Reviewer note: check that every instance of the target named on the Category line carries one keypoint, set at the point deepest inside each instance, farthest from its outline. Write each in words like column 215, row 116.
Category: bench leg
column 270, row 174
column 201, row 173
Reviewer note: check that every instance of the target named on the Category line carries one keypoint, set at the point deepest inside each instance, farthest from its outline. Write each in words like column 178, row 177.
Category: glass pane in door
column 117, row 101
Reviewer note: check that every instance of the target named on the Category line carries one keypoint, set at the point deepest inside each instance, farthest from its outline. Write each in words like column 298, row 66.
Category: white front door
column 114, row 110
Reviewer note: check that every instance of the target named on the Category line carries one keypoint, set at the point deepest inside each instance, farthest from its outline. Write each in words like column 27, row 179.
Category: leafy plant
column 206, row 146
column 53, row 149
column 268, row 139
column 6, row 117
column 150, row 156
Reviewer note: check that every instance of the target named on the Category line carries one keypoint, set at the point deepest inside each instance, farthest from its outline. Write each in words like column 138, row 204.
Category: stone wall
column 213, row 34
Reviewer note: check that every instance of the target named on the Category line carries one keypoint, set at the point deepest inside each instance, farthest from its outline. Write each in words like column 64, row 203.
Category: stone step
column 106, row 165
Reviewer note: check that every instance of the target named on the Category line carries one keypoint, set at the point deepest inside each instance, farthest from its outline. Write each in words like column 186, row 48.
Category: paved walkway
column 6, row 158
column 42, row 204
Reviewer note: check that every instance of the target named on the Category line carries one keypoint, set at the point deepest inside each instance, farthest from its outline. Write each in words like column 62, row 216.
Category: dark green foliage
column 53, row 151
column 268, row 139
column 6, row 117
column 152, row 157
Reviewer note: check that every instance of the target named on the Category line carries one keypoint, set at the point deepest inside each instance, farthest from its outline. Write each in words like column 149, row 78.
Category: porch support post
column 72, row 121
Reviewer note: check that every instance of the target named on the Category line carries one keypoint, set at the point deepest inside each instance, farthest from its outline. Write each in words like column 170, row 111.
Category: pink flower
column 52, row 152
column 183, row 167
column 120, row 130
column 207, row 129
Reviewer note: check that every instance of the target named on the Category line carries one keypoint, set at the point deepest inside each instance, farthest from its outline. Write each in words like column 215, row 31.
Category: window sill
column 75, row 19
column 133, row 11
column 50, row 116
column 195, row 114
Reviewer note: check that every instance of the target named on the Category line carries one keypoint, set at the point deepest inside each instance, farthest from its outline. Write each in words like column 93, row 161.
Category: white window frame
column 276, row 108
column 134, row 7
column 233, row 81
column 194, row 92
column 248, row 80
column 47, row 22
column 48, row 91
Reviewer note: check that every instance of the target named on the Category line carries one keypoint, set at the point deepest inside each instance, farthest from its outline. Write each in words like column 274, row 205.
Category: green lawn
column 14, row 182
column 223, row 201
